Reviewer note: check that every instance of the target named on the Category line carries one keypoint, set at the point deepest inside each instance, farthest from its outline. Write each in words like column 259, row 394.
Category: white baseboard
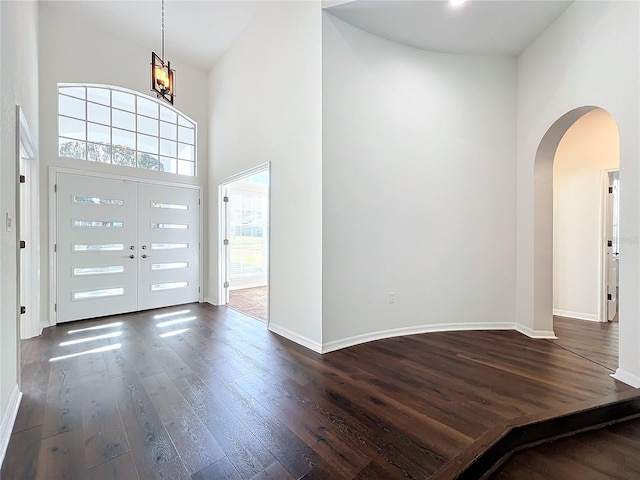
column 211, row 301
column 580, row 316
column 541, row 334
column 398, row 332
column 294, row 337
column 626, row 377
column 8, row 419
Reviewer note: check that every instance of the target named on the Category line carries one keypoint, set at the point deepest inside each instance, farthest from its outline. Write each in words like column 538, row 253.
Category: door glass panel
column 178, row 226
column 97, row 224
column 97, row 200
column 168, row 246
column 78, row 271
column 106, row 292
column 172, row 206
column 167, row 286
column 169, row 266
column 98, row 247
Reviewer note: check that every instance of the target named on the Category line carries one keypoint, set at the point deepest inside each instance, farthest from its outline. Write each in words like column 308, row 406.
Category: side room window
column 107, row 124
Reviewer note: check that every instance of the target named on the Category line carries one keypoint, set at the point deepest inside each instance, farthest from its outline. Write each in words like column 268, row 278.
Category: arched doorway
column 543, row 264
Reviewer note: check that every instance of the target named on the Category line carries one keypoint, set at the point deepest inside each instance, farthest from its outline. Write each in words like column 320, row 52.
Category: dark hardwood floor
column 604, row 454
column 596, row 341
column 201, row 392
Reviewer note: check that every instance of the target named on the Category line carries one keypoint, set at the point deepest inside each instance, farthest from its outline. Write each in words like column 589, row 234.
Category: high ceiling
column 199, row 32
column 478, row 27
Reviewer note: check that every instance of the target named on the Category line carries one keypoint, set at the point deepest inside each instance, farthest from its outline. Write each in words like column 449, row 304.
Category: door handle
column 132, row 257
column 144, row 255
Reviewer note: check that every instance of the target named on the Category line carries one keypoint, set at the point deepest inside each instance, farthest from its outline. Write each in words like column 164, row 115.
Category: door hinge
column 225, row 199
column 226, row 284
column 55, row 307
column 198, row 289
column 225, row 242
column 23, row 179
column 55, row 188
column 609, row 243
column 23, row 309
column 610, row 189
column 55, row 248
column 23, row 244
column 609, row 296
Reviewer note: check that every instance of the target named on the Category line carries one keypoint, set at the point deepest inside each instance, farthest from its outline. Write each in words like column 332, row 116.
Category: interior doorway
column 611, row 251
column 28, row 230
column 577, row 161
column 585, row 169
column 245, row 242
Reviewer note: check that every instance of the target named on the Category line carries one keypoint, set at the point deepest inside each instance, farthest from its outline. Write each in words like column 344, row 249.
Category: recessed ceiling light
column 456, row 3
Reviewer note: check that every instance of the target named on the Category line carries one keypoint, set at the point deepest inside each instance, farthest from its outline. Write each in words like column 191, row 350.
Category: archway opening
column 569, row 272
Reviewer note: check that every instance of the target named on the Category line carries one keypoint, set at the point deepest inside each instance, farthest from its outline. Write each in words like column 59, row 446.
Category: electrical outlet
column 392, row 297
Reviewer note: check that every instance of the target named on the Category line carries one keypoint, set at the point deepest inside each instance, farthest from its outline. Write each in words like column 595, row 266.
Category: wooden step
column 485, row 455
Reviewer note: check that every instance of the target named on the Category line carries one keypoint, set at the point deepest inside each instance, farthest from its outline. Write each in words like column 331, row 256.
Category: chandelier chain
column 162, row 30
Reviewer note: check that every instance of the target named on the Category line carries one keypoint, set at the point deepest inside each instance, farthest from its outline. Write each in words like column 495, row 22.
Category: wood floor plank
column 35, row 384
column 103, row 430
column 171, row 363
column 61, row 457
column 21, row 458
column 248, row 455
column 196, row 446
column 63, row 409
column 148, row 439
column 223, row 469
column 120, row 468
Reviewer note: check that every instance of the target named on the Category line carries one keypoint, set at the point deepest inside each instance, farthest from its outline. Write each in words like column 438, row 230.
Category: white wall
column 265, row 106
column 418, row 193
column 590, row 146
column 589, row 56
column 18, row 86
column 83, row 50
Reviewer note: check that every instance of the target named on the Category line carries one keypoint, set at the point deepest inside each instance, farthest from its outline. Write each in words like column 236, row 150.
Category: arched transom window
column 106, row 124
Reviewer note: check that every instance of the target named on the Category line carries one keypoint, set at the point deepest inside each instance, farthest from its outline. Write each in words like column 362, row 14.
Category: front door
column 124, row 246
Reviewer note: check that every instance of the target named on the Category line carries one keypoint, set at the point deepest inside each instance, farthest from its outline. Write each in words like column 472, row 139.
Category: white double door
column 124, row 246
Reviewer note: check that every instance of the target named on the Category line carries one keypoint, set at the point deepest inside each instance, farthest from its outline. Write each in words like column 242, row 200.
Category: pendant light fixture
column 162, row 77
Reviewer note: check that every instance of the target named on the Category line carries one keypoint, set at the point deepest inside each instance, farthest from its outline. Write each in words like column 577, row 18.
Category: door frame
column 604, row 181
column 27, row 154
column 53, row 234
column 223, row 255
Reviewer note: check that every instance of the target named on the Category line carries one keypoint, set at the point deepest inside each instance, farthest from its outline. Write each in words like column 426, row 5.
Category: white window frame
column 183, row 164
